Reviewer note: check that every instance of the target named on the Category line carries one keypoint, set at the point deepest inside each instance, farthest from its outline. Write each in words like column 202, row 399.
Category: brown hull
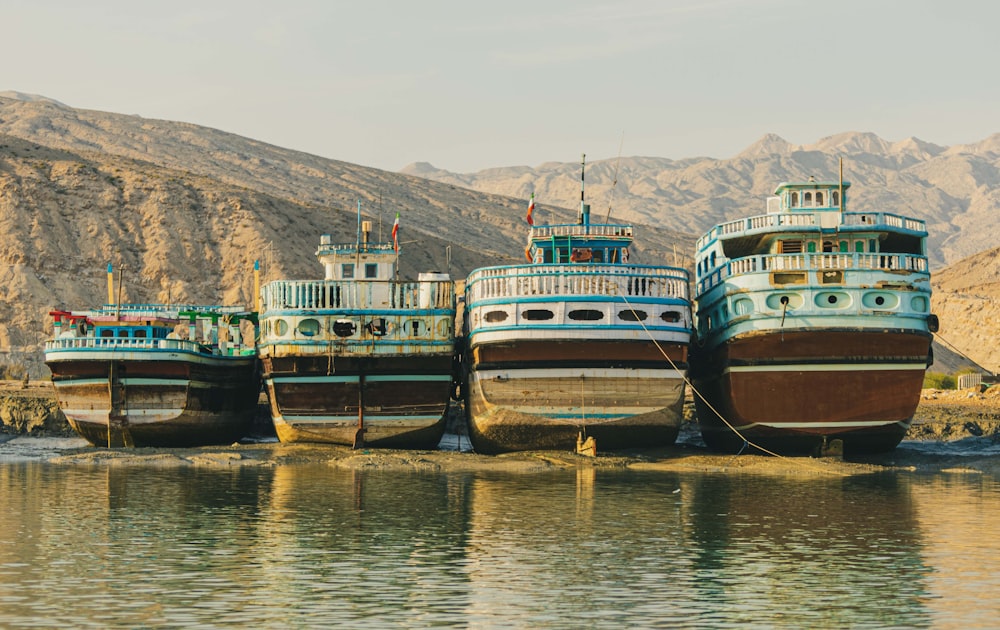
column 542, row 395
column 404, row 398
column 157, row 402
column 795, row 392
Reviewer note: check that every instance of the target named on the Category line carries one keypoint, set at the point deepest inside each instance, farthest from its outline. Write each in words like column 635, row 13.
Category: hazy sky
column 469, row 84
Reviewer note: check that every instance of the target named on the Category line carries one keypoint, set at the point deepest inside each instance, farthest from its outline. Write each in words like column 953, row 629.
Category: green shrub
column 937, row 380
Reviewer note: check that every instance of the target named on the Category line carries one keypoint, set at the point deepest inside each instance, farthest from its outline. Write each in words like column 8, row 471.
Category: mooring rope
column 697, row 393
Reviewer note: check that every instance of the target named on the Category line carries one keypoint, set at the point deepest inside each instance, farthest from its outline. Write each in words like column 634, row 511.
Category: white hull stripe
column 135, row 416
column 136, row 382
column 597, row 412
column 374, row 378
column 829, row 367
column 608, row 373
column 353, row 419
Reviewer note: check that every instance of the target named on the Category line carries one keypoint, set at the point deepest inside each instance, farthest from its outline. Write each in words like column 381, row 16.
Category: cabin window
column 347, row 270
column 789, row 247
column 586, row 315
column 795, row 200
column 859, row 246
column 495, row 316
column 538, row 314
column 819, row 198
column 342, row 327
column 548, row 256
column 835, row 199
column 711, row 261
column 843, row 247
column 811, row 247
column 827, row 247
column 123, row 334
column 309, row 327
column 105, row 332
column 632, row 315
column 371, row 270
column 140, row 333
column 871, row 245
column 281, row 327
column 671, row 317
column 807, row 199
column 598, row 256
column 415, row 328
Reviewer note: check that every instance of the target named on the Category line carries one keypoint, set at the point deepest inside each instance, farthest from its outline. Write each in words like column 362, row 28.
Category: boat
column 147, row 375
column 813, row 325
column 579, row 345
column 359, row 358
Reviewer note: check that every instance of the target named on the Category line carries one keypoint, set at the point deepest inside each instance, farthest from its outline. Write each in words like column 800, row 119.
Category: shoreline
column 956, row 431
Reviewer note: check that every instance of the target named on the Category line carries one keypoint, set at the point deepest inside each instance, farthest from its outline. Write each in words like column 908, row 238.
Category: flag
column 395, row 233
column 531, row 209
column 527, row 250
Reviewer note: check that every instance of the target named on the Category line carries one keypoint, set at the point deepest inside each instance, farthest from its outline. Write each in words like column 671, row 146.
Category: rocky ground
column 953, row 432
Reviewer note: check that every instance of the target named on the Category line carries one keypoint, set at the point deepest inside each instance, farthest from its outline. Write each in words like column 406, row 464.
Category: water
column 312, row 546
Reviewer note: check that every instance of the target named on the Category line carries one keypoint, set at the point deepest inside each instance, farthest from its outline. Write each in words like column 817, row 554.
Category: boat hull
column 542, row 395
column 797, row 391
column 173, row 400
column 404, row 399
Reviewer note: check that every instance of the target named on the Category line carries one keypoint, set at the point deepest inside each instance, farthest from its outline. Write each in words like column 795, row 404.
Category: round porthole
column 280, row 327
column 308, row 327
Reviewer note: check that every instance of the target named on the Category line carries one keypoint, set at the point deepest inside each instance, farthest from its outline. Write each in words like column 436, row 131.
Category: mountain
column 956, row 190
column 185, row 210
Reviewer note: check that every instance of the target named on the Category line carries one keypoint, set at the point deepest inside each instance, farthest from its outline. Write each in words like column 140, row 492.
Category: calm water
column 311, row 546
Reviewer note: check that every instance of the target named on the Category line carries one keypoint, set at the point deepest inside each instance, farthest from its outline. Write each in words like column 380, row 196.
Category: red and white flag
column 531, row 209
column 395, row 234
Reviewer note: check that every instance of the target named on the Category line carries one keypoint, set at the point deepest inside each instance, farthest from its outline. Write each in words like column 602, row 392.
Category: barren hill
column 185, row 210
column 956, row 190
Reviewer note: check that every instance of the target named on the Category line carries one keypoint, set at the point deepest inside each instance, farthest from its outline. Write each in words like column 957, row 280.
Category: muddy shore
column 954, row 432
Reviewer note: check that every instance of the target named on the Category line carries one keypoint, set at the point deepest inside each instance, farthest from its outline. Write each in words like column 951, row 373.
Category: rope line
column 688, row 382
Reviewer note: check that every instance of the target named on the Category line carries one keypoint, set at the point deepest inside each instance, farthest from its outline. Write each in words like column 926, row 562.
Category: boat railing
column 577, row 229
column 354, row 294
column 568, row 280
column 813, row 262
column 129, row 343
column 774, row 221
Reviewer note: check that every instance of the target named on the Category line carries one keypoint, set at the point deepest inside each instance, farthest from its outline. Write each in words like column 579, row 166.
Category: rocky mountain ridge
column 185, row 210
column 956, row 190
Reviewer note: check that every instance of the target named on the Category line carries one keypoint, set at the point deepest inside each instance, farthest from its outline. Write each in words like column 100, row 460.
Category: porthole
column 671, row 316
column 538, row 314
column 632, row 315
column 832, row 299
column 308, row 327
column 344, row 328
column 496, row 316
column 586, row 315
column 881, row 301
column 280, row 327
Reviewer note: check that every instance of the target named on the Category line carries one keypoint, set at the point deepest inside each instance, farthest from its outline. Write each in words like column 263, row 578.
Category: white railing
column 354, row 294
column 814, row 262
column 123, row 343
column 570, row 280
column 577, row 229
column 765, row 222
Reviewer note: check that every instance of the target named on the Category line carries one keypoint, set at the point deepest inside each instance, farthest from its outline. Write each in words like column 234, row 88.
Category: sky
column 467, row 85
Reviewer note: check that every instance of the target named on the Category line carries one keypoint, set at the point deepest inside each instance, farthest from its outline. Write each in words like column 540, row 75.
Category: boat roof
column 810, row 185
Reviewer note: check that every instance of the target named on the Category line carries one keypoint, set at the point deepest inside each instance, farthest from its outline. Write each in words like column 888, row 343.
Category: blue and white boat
column 578, row 343
column 155, row 374
column 359, row 358
column 813, row 325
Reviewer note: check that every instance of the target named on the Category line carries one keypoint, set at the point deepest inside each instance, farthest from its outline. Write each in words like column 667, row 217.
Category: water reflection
column 312, row 545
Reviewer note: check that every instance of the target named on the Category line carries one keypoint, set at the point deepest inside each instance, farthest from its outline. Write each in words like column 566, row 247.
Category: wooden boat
column 577, row 343
column 359, row 358
column 124, row 376
column 813, row 325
